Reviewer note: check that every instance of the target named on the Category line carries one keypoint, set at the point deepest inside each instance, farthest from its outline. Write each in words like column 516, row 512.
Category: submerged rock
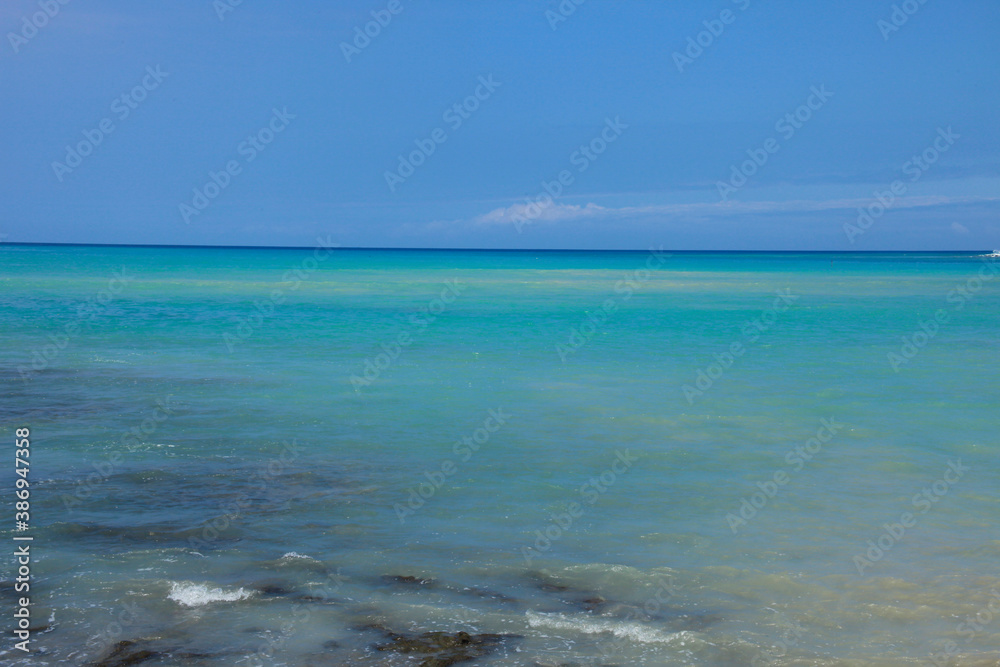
column 595, row 603
column 549, row 587
column 407, row 580
column 544, row 582
column 488, row 594
column 581, row 599
column 139, row 651
column 443, row 648
column 675, row 617
column 696, row 622
column 125, row 653
column 271, row 589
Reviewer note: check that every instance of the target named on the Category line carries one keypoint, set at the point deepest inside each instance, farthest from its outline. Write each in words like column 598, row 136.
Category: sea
column 326, row 456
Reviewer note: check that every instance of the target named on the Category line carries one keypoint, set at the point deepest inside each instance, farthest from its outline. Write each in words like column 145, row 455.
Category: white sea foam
column 294, row 554
column 196, row 595
column 622, row 629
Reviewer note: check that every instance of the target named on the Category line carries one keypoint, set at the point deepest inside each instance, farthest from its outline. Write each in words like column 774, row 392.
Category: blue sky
column 308, row 129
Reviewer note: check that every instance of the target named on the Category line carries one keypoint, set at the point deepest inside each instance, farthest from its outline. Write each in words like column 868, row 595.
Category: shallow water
column 215, row 487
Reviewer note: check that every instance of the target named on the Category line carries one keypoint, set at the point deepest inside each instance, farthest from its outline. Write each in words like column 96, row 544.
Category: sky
column 604, row 124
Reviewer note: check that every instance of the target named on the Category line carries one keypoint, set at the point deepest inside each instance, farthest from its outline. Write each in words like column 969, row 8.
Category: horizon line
column 437, row 249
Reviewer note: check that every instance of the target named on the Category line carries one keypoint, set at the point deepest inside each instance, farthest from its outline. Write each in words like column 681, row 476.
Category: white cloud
column 539, row 213
column 960, row 228
column 553, row 212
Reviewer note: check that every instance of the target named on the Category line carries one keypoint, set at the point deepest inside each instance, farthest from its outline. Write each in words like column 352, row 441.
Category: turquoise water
column 555, row 446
